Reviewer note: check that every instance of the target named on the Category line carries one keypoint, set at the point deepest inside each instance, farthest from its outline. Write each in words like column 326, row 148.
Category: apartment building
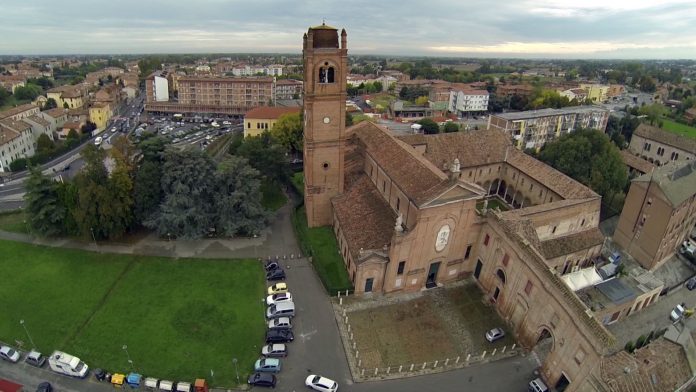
column 12, row 82
column 465, row 102
column 16, row 141
column 70, row 97
column 157, row 87
column 507, row 90
column 659, row 212
column 235, row 92
column 19, row 112
column 533, row 128
column 261, row 119
column 595, row 92
column 659, row 146
column 288, row 89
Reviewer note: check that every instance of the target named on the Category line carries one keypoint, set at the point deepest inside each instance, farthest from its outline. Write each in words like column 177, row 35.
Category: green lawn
column 179, row 318
column 13, row 221
column 678, row 128
column 493, row 203
column 272, row 197
column 298, row 182
column 320, row 243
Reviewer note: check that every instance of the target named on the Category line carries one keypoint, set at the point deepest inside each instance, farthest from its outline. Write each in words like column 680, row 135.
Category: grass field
column 678, row 128
column 13, row 221
column 320, row 243
column 272, row 197
column 179, row 318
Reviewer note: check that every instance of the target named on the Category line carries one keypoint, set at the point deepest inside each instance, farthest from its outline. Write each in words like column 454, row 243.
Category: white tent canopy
column 578, row 280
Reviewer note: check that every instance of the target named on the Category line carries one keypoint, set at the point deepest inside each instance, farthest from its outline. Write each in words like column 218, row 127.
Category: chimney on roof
column 455, row 170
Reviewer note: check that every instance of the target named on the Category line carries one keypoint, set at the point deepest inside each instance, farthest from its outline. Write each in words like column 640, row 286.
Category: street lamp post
column 27, row 331
column 130, row 361
column 91, row 229
column 236, row 370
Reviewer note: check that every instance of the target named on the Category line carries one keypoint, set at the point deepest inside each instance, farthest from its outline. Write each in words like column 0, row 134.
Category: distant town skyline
column 617, row 29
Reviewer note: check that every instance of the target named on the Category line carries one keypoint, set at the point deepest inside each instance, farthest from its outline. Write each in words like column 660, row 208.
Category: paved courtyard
column 427, row 326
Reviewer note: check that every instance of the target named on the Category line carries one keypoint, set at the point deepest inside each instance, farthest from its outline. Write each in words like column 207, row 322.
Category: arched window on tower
column 326, row 74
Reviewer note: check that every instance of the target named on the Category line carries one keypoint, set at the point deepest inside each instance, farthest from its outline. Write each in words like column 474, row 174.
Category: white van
column 67, row 364
column 537, row 385
column 283, row 309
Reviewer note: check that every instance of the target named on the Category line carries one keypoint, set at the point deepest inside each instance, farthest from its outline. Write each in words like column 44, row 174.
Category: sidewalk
column 278, row 239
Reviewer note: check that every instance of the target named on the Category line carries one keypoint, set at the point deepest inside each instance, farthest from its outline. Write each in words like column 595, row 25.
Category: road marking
column 308, row 335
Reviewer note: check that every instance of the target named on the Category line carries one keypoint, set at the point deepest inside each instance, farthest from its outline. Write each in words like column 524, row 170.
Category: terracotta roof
column 72, row 125
column 635, row 162
column 16, row 110
column 252, row 79
column 571, row 243
column 677, row 180
column 660, row 366
column 16, row 125
column 289, row 82
column 267, row 112
column 671, row 139
column 414, row 175
column 39, row 120
column 365, row 219
column 7, row 135
column 55, row 112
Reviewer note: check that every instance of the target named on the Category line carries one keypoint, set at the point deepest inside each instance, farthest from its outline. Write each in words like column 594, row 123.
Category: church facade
column 416, row 212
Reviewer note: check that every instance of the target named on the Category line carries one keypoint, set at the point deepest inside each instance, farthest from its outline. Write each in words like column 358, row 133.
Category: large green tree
column 287, row 131
column 45, row 212
column 589, row 157
column 430, row 127
column 238, row 198
column 44, row 144
column 28, row 92
column 266, row 156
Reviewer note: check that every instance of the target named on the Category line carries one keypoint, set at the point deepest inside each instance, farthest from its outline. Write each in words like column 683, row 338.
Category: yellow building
column 263, row 118
column 73, row 96
column 595, row 92
column 100, row 114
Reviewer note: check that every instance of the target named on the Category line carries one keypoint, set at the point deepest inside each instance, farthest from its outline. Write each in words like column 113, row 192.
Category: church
column 418, row 211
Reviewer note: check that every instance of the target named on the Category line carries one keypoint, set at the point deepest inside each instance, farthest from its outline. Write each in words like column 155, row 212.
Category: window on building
column 468, row 252
column 531, row 186
column 528, row 287
column 326, row 74
column 398, row 204
column 486, row 240
column 582, row 223
column 506, row 259
column 384, row 186
column 649, row 201
column 580, row 356
column 400, row 269
column 553, row 230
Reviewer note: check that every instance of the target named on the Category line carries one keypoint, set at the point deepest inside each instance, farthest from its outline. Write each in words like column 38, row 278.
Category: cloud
column 636, row 28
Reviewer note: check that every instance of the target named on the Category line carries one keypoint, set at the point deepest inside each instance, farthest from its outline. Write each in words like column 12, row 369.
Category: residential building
column 465, row 102
column 19, row 112
column 403, row 110
column 595, row 92
column 57, row 117
column 157, row 87
column 16, row 141
column 261, row 119
column 69, row 97
column 534, row 128
column 636, row 166
column 615, row 90
column 288, row 89
column 128, row 93
column 70, row 126
column 658, row 213
column 659, row 146
column 100, row 113
column 12, row 82
column 356, row 80
column 507, row 90
column 578, row 94
column 40, row 125
column 690, row 115
column 255, row 70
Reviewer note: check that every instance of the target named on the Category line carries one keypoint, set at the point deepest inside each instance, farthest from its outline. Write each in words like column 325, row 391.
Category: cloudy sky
column 477, row 28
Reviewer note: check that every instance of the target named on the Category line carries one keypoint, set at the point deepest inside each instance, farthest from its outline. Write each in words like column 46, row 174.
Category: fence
column 363, row 373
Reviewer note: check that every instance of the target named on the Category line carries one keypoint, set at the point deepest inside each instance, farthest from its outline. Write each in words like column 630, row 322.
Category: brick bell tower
column 325, row 71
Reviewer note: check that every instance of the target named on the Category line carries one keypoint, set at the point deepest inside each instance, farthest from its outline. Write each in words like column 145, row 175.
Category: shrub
column 630, row 347
column 18, row 164
column 641, row 341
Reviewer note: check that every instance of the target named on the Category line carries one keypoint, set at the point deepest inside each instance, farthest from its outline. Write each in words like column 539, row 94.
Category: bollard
column 483, row 355
column 340, row 300
column 344, row 312
column 359, row 362
column 400, row 367
column 277, row 257
column 435, row 365
column 503, row 350
column 285, row 257
column 376, row 369
column 339, row 294
column 349, row 330
column 353, row 345
column 513, row 346
column 388, row 369
column 494, row 350
column 362, row 372
column 457, row 361
column 351, row 336
column 467, row 357
column 346, row 320
column 446, row 361
column 410, row 370
column 423, row 368
column 346, row 292
column 292, row 255
column 357, row 352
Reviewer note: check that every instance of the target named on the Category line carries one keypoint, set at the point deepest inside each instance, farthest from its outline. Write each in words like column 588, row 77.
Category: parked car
column 319, row 383
column 271, row 265
column 35, row 358
column 274, row 350
column 98, row 141
column 101, row 375
column 537, row 385
column 267, row 365
column 280, row 323
column 277, row 298
column 278, row 288
column 262, row 380
column 691, row 283
column 677, row 312
column 9, row 354
column 45, row 387
column 279, row 336
column 495, row 334
column 276, row 274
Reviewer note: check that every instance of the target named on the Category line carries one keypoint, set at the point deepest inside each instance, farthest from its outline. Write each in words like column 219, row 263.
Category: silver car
column 495, row 334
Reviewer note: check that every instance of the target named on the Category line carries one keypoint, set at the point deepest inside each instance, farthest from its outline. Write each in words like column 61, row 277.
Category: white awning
column 578, row 280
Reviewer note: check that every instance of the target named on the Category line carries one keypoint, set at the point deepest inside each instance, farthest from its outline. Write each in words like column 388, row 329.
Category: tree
column 188, row 186
column 349, row 119
column 430, row 127
column 422, row 101
column 88, row 127
column 288, row 132
column 589, row 157
column 4, row 96
column 50, row 104
column 266, row 156
column 653, row 112
column 147, row 190
column 44, row 82
column 647, row 84
column 44, row 144
column 450, row 126
column 65, row 105
column 238, row 198
column 118, row 214
column 125, row 151
column 28, row 92
column 44, row 210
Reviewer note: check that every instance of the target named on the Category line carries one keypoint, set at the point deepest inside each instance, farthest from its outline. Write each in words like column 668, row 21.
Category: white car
column 226, row 123
column 319, row 383
column 113, row 130
column 677, row 312
column 9, row 354
column 280, row 323
column 98, row 141
column 278, row 298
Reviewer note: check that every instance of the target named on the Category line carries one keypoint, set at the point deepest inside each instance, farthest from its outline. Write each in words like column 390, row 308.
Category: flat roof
column 616, row 290
column 550, row 112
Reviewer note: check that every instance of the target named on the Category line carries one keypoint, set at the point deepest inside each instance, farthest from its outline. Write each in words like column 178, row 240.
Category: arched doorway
column 509, row 195
column 492, row 188
column 501, row 189
column 501, row 275
column 544, row 344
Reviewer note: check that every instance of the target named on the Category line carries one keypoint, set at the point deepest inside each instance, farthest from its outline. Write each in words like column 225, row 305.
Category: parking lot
column 187, row 133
